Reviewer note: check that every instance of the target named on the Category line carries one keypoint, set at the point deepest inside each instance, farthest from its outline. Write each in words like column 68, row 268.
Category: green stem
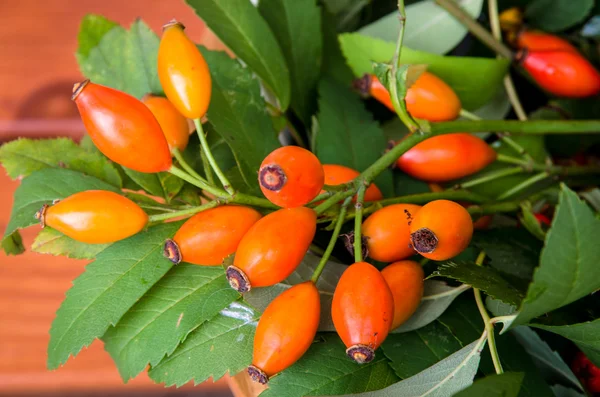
column 490, row 176
column 336, row 233
column 241, row 198
column 506, row 139
column 202, row 185
column 509, row 86
column 336, row 198
column 475, row 28
column 358, row 209
column 206, row 166
column 213, row 163
column 186, row 212
column 399, row 103
column 523, row 185
column 531, row 127
column 558, row 170
column 186, row 166
column 494, row 208
column 489, row 327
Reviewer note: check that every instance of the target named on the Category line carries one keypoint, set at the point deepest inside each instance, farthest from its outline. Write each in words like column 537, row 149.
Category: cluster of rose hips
column 367, row 303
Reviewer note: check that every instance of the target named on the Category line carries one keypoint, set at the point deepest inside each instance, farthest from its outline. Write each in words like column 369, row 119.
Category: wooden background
column 37, row 70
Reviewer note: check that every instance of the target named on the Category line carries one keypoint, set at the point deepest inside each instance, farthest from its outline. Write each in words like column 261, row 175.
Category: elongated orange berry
column 183, row 72
column 429, row 98
column 441, row 230
column 122, row 128
column 210, row 236
column 387, row 232
column 405, row 279
column 94, row 217
column 362, row 310
column 562, row 73
column 534, row 40
column 291, row 176
column 339, row 174
column 447, row 157
column 272, row 248
column 285, row 331
column 173, row 124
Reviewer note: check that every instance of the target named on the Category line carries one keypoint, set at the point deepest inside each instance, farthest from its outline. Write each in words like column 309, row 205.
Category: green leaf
column 44, row 186
column 550, row 363
column 585, row 335
column 413, row 352
column 593, row 198
column 464, row 320
column 557, row 15
column 448, row 376
column 238, row 114
column 463, row 74
column 507, row 384
column 570, row 255
column 428, row 28
column 162, row 184
column 333, row 64
column 297, row 27
column 483, row 277
column 92, row 30
column 50, row 241
column 326, row 370
column 221, row 345
column 13, row 244
column 23, row 156
column 347, row 133
column 530, row 222
column 512, row 251
column 241, row 28
column 561, row 391
column 119, row 58
column 182, row 300
column 109, row 287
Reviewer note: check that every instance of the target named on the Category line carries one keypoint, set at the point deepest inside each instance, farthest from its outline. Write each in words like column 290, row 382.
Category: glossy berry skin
column 482, row 223
column 429, row 98
column 562, row 73
column 291, row 176
column 339, row 174
column 441, row 230
column 405, row 279
column 96, row 217
column 122, row 128
column 285, row 331
column 173, row 124
column 183, row 72
column 272, row 248
column 362, row 310
column 387, row 232
column 533, row 40
column 210, row 236
column 447, row 157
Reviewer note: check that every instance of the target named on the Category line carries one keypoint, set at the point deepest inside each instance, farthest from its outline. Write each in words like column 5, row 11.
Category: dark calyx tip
column 41, row 215
column 171, row 251
column 349, row 244
column 238, row 279
column 77, row 88
column 424, row 241
column 173, row 22
column 272, row 177
column 362, row 85
column 258, row 375
column 362, row 354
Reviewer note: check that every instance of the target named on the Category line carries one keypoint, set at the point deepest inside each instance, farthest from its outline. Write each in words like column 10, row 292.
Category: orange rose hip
column 272, row 248
column 441, row 230
column 387, row 232
column 94, row 217
column 339, row 174
column 291, row 176
column 362, row 310
column 405, row 279
column 210, row 236
column 285, row 331
column 173, row 124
